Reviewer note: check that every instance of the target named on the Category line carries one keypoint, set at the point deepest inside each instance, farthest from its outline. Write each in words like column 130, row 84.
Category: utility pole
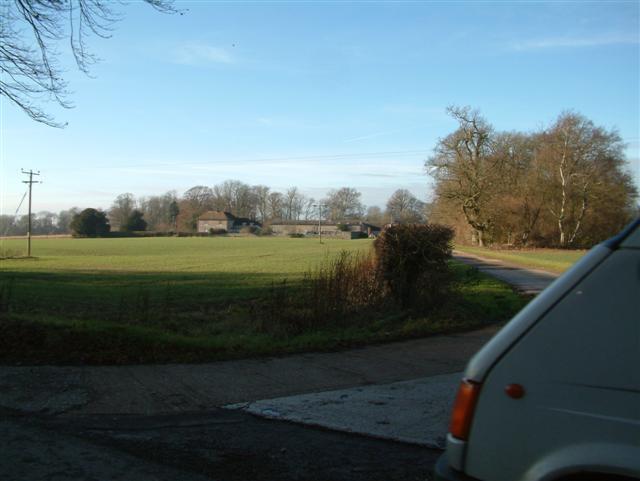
column 319, row 206
column 30, row 173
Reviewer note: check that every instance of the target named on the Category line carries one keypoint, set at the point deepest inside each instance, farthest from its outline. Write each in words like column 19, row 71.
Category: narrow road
column 527, row 281
column 173, row 388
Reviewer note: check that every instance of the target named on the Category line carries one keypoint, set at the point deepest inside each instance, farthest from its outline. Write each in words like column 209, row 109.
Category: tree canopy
column 566, row 185
column 135, row 222
column 404, row 208
column 90, row 223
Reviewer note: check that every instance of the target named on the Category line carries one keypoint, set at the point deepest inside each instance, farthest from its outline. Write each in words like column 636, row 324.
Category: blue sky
column 317, row 94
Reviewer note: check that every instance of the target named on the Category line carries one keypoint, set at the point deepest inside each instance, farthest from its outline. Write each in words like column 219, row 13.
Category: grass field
column 190, row 299
column 191, row 270
column 554, row 260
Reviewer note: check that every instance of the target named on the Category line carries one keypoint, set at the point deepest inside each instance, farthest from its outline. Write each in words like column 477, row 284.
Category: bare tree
column 121, row 210
column 578, row 156
column 193, row 203
column 294, row 203
column 403, row 207
column 466, row 170
column 375, row 216
column 276, row 202
column 518, row 205
column 64, row 219
column 157, row 211
column 344, row 204
column 566, row 185
column 29, row 33
column 261, row 195
column 310, row 209
column 235, row 197
column 199, row 197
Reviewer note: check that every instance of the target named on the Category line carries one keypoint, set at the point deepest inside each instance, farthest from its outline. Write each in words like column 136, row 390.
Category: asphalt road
column 211, row 445
column 157, row 422
column 527, row 281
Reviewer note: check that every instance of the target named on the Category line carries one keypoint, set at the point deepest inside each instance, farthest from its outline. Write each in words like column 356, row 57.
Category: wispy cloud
column 390, row 175
column 201, row 54
column 370, row 136
column 575, row 42
column 268, row 121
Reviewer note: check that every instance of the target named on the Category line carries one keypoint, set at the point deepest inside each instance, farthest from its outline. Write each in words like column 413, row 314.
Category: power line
column 266, row 159
column 16, row 212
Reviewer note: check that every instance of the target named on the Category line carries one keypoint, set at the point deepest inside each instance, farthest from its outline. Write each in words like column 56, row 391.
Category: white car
column 555, row 395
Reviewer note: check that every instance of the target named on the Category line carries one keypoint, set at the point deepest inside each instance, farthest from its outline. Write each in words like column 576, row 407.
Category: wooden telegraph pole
column 30, row 173
column 319, row 206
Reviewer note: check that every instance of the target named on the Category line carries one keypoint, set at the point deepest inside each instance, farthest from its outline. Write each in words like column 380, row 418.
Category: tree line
column 171, row 212
column 566, row 185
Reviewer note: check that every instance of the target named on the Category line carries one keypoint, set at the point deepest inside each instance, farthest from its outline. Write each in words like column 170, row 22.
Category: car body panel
column 580, row 371
column 576, row 350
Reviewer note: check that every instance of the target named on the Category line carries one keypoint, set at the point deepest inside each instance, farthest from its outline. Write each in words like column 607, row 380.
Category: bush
column 408, row 273
column 135, row 222
column 296, row 235
column 345, row 284
column 341, row 290
column 265, row 231
column 90, row 223
column 413, row 261
column 249, row 229
column 213, row 231
column 343, row 227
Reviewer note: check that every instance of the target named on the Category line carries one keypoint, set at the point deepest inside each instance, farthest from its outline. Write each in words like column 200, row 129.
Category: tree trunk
column 583, row 209
column 563, row 183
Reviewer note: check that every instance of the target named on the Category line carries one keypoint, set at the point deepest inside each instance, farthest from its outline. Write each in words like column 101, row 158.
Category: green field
column 554, row 260
column 195, row 271
column 189, row 299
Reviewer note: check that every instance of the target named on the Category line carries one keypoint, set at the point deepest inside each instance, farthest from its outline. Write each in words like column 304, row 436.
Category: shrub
column 296, row 235
column 266, row 230
column 345, row 284
column 135, row 222
column 340, row 290
column 408, row 272
column 90, row 223
column 343, row 227
column 413, row 261
column 213, row 231
column 249, row 229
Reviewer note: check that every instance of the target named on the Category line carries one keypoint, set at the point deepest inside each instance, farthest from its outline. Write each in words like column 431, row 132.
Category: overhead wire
column 16, row 212
column 264, row 159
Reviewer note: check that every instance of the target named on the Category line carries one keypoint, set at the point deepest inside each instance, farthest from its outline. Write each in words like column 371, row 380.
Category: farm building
column 340, row 229
column 218, row 220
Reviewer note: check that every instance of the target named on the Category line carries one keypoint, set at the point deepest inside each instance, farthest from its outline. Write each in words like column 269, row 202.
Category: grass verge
column 554, row 260
column 228, row 332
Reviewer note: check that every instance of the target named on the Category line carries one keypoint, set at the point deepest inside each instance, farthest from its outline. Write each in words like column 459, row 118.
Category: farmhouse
column 330, row 228
column 218, row 221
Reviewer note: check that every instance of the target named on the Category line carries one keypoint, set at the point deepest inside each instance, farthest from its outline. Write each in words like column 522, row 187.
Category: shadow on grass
column 121, row 318
column 121, row 295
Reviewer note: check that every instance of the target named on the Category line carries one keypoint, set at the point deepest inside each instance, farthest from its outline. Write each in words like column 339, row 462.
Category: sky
column 317, row 95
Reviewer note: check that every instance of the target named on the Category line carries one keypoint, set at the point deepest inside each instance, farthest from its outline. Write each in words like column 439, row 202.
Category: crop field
column 189, row 299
